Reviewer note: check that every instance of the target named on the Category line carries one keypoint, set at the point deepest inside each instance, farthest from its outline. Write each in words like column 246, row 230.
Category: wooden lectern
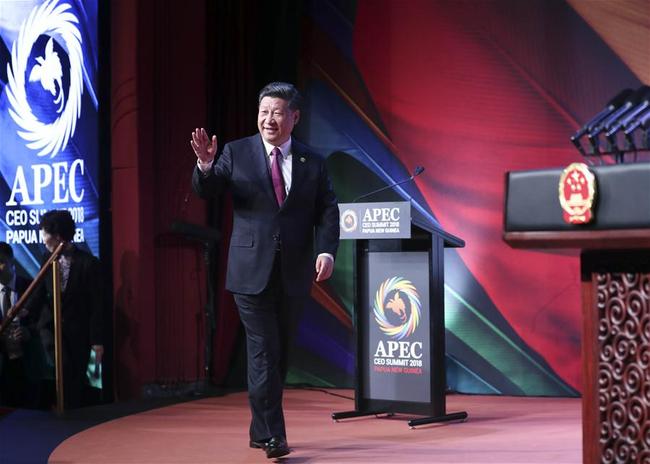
column 615, row 273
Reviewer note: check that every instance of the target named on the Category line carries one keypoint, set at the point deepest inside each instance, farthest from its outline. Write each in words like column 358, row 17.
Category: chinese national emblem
column 577, row 191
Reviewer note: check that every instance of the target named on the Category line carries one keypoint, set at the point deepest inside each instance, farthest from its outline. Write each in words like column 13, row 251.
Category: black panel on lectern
column 622, row 199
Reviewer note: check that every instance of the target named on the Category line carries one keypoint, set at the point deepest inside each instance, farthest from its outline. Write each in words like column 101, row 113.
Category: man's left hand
column 324, row 267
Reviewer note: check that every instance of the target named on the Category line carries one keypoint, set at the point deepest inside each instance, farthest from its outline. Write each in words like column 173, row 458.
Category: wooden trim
column 58, row 337
column 590, row 349
column 584, row 239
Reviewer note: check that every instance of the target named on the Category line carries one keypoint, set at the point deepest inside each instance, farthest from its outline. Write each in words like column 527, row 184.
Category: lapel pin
column 302, row 159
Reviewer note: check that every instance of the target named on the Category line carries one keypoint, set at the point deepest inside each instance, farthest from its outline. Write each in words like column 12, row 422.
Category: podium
column 615, row 280
column 399, row 312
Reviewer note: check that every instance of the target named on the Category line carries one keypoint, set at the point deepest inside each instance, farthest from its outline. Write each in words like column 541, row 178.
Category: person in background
column 81, row 307
column 15, row 388
column 285, row 234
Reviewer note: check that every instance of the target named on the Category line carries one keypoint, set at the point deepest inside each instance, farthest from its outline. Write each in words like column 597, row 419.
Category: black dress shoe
column 258, row 444
column 277, row 447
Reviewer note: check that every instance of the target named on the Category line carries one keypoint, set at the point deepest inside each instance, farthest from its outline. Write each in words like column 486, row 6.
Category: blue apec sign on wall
column 49, row 115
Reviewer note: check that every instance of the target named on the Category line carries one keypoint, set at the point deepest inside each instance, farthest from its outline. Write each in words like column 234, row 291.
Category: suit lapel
column 298, row 166
column 262, row 168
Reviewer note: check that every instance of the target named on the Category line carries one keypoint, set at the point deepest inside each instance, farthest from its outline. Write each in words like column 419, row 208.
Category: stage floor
column 215, row 430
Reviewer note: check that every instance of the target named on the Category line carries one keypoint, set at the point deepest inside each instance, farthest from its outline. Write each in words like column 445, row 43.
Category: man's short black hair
column 6, row 250
column 282, row 90
column 58, row 222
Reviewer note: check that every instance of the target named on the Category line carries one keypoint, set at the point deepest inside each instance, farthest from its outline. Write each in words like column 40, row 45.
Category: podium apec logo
column 397, row 311
column 349, row 221
column 45, row 78
column 397, row 308
column 376, row 220
column 577, row 191
column 390, row 219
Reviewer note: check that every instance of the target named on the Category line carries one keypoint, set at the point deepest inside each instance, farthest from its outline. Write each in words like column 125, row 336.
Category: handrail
column 11, row 314
column 56, row 290
column 58, row 336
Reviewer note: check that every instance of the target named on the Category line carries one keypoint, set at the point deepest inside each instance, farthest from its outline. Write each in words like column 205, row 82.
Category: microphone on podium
column 612, row 105
column 628, row 117
column 606, row 124
column 416, row 172
column 641, row 121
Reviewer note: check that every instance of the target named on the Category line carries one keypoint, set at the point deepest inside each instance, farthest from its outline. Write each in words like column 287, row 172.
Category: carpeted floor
column 214, row 430
column 29, row 436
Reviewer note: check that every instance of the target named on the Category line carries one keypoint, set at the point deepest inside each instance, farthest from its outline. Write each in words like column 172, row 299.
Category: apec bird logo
column 48, row 52
column 48, row 71
column 400, row 297
column 396, row 304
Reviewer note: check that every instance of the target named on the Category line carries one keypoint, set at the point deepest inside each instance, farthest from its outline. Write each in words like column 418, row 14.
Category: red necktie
column 276, row 176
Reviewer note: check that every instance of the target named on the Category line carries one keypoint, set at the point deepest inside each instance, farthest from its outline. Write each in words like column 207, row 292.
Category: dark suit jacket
column 307, row 224
column 81, row 308
column 21, row 286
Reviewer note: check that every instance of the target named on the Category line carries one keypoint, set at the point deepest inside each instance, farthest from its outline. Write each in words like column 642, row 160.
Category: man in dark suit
column 284, row 214
column 81, row 307
column 15, row 388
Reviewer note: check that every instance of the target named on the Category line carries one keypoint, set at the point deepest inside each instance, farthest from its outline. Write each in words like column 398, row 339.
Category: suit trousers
column 270, row 321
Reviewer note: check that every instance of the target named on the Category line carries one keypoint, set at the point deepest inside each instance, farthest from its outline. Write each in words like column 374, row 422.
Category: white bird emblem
column 48, row 71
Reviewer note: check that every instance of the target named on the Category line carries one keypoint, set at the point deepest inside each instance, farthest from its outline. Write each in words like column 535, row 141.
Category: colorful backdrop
column 469, row 90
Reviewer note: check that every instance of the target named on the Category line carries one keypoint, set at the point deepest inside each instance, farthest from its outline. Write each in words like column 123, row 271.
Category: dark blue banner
column 48, row 121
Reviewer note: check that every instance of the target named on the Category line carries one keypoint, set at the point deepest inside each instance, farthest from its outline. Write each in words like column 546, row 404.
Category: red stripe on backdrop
column 453, row 102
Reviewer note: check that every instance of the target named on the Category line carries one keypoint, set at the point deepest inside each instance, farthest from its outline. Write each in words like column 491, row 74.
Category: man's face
column 275, row 120
column 51, row 241
column 6, row 269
